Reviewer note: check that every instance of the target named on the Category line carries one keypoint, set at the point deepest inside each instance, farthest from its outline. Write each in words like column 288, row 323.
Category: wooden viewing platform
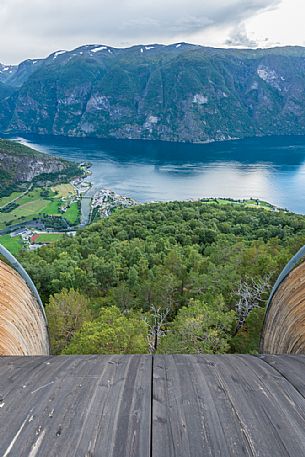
column 144, row 406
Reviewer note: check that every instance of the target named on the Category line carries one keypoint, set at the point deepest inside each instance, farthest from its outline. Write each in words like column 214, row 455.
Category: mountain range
column 181, row 92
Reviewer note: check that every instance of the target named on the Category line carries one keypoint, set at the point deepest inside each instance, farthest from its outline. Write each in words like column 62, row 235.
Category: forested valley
column 179, row 277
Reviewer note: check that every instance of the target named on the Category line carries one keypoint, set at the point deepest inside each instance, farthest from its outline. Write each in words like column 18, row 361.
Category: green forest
column 180, row 277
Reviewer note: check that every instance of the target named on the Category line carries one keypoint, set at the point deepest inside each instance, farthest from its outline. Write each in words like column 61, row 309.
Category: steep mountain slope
column 180, row 92
column 20, row 164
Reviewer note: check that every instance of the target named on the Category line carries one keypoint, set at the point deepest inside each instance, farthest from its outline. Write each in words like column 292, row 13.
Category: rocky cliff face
column 29, row 169
column 180, row 92
column 19, row 164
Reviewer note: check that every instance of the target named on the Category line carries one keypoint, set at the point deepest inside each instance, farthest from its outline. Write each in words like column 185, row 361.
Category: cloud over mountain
column 35, row 28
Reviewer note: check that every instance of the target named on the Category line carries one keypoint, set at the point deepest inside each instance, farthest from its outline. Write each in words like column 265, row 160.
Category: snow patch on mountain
column 100, row 48
column 6, row 68
column 58, row 53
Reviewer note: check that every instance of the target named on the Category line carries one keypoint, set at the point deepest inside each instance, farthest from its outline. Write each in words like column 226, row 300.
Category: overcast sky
column 35, row 28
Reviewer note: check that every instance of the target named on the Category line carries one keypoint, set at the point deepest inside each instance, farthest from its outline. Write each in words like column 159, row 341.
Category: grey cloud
column 34, row 28
column 239, row 38
column 165, row 27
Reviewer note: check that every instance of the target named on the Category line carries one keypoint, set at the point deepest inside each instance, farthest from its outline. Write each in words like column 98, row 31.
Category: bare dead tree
column 250, row 295
column 159, row 317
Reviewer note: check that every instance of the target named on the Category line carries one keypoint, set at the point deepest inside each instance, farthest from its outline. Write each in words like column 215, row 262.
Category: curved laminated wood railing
column 284, row 325
column 23, row 323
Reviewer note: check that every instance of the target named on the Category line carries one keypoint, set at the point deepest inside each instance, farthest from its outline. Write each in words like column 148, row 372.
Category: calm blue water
column 271, row 169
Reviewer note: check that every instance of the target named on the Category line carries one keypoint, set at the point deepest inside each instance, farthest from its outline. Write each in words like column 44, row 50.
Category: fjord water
column 271, row 169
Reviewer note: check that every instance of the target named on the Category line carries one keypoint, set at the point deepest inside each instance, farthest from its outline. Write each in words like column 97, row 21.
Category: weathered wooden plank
column 291, row 367
column 271, row 411
column 189, row 416
column 224, row 406
column 77, row 406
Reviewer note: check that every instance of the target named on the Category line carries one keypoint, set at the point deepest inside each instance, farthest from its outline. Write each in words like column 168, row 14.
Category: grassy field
column 247, row 202
column 14, row 245
column 29, row 206
column 259, row 204
column 53, row 208
column 48, row 237
column 5, row 200
column 36, row 203
column 24, row 212
column 72, row 214
column 64, row 190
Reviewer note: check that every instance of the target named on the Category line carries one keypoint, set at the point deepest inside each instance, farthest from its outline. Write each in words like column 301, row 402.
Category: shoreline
column 104, row 202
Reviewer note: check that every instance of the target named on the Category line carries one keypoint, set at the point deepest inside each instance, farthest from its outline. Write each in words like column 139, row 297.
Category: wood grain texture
column 87, row 406
column 225, row 406
column 284, row 327
column 193, row 406
column 23, row 329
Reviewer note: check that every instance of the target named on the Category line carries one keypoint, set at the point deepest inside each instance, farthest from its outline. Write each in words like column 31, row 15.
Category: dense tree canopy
column 185, row 258
column 111, row 333
column 67, row 311
column 200, row 328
